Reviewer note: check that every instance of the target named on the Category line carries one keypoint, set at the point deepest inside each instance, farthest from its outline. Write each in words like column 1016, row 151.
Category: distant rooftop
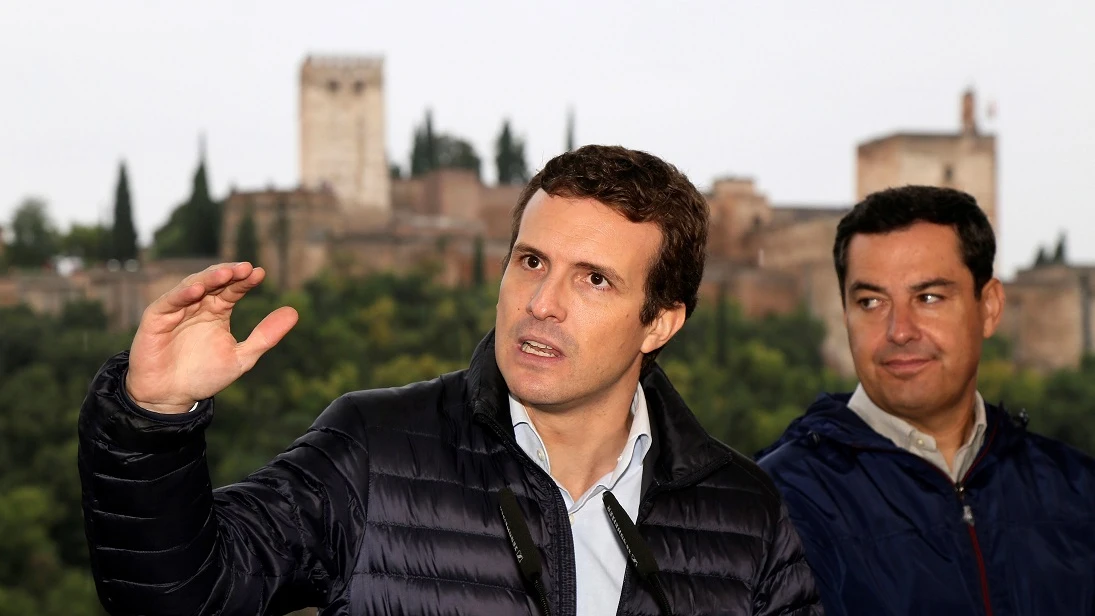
column 790, row 214
column 923, row 136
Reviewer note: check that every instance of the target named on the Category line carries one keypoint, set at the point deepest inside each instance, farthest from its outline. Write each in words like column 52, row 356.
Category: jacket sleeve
column 163, row 542
column 787, row 585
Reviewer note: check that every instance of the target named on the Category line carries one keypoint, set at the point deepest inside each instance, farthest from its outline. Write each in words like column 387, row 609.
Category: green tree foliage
column 194, row 227
column 432, row 151
column 424, row 150
column 745, row 378
column 510, row 157
column 456, row 153
column 1060, row 253
column 478, row 263
column 281, row 234
column 123, row 244
column 34, row 237
column 247, row 238
column 92, row 243
column 45, row 367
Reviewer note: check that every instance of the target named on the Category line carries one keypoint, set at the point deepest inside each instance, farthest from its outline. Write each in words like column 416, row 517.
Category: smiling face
column 914, row 322
column 568, row 331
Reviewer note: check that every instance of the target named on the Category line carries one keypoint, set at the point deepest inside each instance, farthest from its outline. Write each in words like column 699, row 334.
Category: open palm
column 184, row 350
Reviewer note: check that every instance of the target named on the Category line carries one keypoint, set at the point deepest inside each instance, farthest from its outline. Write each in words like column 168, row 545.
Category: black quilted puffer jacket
column 389, row 505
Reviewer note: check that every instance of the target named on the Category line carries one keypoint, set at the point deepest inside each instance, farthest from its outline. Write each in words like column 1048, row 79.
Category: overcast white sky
column 779, row 91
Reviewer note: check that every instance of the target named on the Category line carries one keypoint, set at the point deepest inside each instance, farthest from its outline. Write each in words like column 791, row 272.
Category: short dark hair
column 643, row 188
column 895, row 209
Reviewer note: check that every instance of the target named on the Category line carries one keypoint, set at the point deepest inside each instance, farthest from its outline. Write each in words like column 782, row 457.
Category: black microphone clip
column 637, row 551
column 528, row 555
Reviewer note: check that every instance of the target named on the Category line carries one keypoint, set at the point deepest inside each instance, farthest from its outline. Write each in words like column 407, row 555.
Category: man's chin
column 540, row 400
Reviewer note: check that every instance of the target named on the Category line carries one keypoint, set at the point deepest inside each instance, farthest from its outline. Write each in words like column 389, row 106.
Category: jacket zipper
column 967, row 517
column 645, row 504
column 967, row 511
column 557, row 499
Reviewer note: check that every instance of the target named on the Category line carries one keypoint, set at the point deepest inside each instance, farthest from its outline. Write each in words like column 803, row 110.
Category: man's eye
column 598, row 280
column 868, row 302
column 930, row 298
column 532, row 261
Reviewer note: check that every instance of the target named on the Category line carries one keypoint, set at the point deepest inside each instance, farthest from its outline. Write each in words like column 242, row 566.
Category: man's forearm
column 147, row 499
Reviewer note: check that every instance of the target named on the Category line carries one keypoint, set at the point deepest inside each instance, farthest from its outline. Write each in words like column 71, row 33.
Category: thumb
column 266, row 334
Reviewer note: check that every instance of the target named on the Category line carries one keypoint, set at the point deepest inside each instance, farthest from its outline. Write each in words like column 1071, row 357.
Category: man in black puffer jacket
column 512, row 487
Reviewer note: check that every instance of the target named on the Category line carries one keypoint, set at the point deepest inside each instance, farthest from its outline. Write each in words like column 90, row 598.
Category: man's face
column 567, row 328
column 914, row 323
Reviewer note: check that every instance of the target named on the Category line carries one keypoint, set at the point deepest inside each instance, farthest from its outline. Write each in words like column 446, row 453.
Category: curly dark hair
column 643, row 188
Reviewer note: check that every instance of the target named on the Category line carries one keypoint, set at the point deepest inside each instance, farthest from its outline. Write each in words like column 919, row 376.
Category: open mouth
column 536, row 348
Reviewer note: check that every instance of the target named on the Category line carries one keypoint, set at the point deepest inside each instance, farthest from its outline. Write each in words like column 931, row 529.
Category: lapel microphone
column 637, row 551
column 528, row 555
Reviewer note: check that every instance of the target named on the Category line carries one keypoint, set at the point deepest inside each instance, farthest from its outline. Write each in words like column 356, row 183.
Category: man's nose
column 549, row 299
column 903, row 326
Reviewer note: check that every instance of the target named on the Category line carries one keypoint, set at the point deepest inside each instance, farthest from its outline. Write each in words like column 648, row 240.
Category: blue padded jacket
column 887, row 532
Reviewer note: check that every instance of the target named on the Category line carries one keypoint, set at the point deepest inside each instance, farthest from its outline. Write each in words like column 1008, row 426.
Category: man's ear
column 992, row 306
column 664, row 326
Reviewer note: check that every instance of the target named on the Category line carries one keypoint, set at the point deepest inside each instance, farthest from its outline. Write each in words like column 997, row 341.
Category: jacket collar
column 830, row 419
column 681, row 450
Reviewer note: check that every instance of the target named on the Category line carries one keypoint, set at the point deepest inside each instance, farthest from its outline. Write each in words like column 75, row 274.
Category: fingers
column 196, row 286
column 236, row 289
column 266, row 334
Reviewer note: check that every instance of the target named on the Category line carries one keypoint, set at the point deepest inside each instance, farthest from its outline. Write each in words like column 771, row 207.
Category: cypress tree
column 247, row 238
column 123, row 237
column 478, row 269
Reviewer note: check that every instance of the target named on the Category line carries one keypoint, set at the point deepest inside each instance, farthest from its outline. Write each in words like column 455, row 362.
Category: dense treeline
column 744, row 378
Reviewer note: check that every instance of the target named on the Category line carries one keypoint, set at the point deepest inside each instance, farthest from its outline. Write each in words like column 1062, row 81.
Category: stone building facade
column 349, row 215
column 342, row 131
column 1050, row 315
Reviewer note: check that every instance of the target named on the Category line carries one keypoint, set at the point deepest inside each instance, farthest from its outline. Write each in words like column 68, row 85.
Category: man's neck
column 585, row 442
column 950, row 428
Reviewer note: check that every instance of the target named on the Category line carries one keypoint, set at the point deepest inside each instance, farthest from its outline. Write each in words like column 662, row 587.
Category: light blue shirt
column 600, row 562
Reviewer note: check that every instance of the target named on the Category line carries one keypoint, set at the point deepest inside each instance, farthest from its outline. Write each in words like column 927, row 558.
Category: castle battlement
column 366, row 68
column 342, row 131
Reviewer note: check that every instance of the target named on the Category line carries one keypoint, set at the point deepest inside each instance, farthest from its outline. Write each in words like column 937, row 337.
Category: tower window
column 948, row 174
column 359, row 86
column 332, row 86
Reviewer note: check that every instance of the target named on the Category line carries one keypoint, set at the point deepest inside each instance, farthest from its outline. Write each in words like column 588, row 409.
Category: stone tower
column 965, row 160
column 342, row 132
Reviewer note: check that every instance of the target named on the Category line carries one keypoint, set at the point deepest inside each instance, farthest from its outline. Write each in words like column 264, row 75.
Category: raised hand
column 184, row 350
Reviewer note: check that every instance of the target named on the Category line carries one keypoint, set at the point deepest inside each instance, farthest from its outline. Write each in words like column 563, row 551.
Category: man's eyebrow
column 934, row 282
column 525, row 249
column 859, row 285
column 613, row 276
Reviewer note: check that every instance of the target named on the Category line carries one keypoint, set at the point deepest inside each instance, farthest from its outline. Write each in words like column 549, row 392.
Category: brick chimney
column 969, row 114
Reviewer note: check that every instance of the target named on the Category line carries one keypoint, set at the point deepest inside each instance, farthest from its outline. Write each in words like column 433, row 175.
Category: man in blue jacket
column 912, row 495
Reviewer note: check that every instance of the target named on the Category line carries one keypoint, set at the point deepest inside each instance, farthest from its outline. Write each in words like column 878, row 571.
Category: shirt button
column 540, row 454
column 572, row 519
column 919, row 442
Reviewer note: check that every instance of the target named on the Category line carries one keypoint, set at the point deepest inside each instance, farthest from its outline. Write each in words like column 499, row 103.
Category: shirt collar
column 638, row 439
column 901, row 432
